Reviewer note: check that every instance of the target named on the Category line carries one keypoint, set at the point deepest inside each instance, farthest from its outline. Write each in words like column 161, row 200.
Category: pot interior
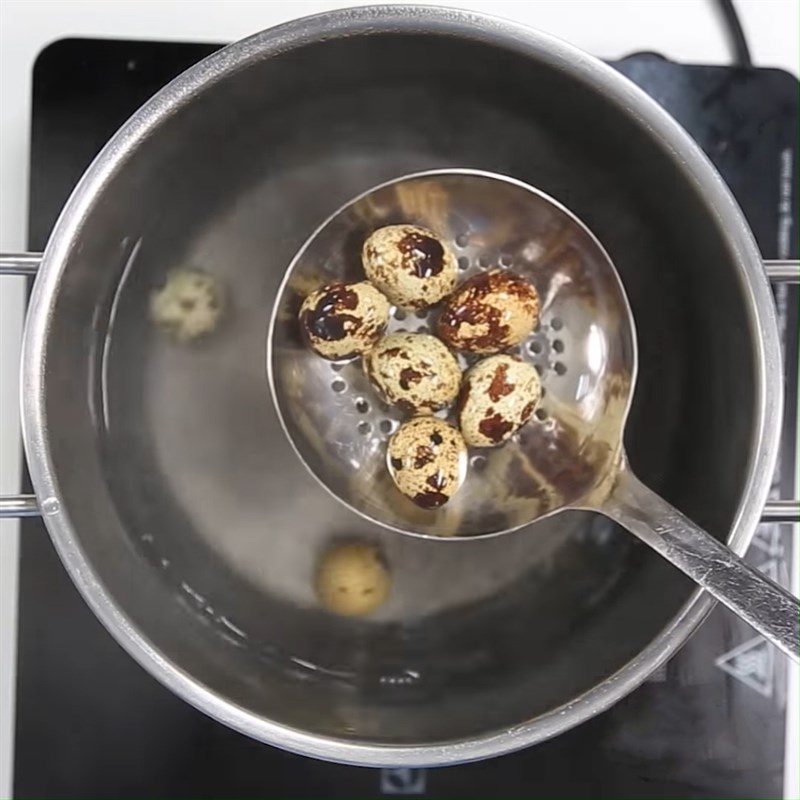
column 200, row 521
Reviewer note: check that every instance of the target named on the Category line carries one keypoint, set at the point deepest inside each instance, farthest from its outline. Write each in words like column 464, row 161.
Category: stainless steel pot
column 178, row 506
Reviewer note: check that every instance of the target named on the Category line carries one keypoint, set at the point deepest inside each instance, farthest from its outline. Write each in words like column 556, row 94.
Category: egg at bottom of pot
column 352, row 579
column 188, row 306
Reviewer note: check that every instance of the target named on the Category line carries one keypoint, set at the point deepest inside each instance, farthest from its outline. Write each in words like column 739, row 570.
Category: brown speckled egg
column 188, row 305
column 427, row 459
column 489, row 313
column 497, row 398
column 414, row 371
column 342, row 320
column 411, row 265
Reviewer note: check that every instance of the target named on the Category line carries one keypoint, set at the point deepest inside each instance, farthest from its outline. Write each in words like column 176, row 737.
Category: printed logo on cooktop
column 752, row 663
column 403, row 780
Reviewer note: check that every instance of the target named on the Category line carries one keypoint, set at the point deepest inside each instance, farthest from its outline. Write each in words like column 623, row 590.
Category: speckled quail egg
column 188, row 305
column 489, row 313
column 411, row 265
column 352, row 579
column 427, row 459
column 413, row 371
column 497, row 398
column 342, row 320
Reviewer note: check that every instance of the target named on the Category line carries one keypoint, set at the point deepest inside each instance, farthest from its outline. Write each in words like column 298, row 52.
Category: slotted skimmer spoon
column 571, row 456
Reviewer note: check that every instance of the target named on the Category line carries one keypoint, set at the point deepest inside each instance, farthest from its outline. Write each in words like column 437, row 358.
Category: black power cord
column 738, row 42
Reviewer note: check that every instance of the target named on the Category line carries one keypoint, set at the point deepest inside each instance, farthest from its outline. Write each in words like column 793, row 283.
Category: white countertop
column 683, row 30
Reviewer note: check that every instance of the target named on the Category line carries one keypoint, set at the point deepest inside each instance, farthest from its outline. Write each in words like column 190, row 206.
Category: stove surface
column 91, row 723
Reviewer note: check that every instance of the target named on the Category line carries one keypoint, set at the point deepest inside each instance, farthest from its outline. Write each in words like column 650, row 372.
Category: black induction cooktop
column 92, row 724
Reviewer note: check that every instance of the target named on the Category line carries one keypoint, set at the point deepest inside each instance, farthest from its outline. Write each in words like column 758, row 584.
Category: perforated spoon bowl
column 571, row 456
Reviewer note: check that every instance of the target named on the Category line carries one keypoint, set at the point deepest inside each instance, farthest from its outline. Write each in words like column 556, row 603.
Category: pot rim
column 369, row 20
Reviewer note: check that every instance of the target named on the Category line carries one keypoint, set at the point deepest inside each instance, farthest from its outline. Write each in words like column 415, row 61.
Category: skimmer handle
column 751, row 595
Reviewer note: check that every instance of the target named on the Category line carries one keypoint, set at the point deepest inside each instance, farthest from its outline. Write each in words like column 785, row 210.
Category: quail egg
column 342, row 320
column 411, row 265
column 413, row 371
column 427, row 459
column 352, row 579
column 497, row 398
column 488, row 313
column 188, row 305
